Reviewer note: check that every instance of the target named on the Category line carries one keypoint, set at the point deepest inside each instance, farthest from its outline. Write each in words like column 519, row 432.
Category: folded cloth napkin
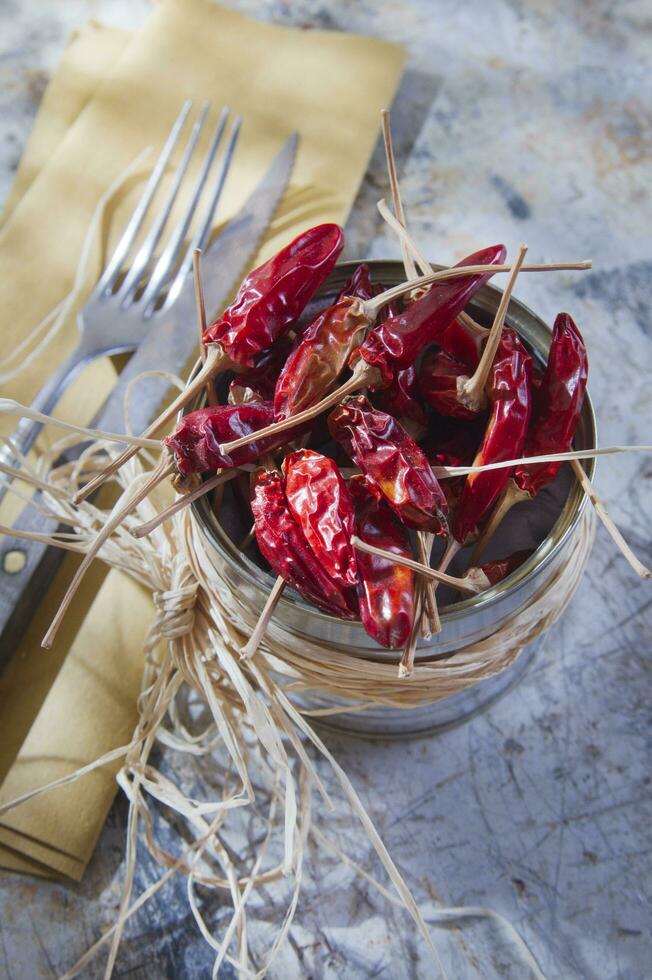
column 114, row 95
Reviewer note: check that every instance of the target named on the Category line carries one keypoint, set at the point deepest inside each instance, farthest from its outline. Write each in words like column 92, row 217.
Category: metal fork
column 116, row 316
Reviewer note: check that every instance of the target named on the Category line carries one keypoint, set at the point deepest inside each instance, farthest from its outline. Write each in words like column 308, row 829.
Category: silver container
column 463, row 622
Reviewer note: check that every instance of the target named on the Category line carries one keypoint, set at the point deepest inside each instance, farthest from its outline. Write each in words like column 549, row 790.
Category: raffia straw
column 601, row 510
column 8, row 406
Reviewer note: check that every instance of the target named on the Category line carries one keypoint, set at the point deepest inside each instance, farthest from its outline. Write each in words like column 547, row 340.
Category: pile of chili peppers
column 367, row 474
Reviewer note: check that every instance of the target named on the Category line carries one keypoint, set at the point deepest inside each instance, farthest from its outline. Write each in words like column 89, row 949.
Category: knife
column 27, row 567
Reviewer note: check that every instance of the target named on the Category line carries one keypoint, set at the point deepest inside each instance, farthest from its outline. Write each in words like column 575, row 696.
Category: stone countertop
column 516, row 121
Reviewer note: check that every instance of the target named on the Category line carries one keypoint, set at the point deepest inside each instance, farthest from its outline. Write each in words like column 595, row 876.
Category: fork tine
column 114, row 265
column 148, row 247
column 202, row 234
column 168, row 257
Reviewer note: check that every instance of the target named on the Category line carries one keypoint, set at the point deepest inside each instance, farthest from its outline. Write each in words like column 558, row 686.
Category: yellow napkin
column 86, row 60
column 63, row 709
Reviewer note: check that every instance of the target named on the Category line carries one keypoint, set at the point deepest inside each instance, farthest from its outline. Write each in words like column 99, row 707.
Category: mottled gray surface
column 517, row 120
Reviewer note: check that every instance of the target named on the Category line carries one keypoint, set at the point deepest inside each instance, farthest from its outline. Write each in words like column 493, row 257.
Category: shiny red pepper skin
column 321, row 352
column 358, row 285
column 282, row 543
column 393, row 462
column 196, row 441
column 510, row 396
column 316, row 363
column 385, row 589
column 559, row 403
column 496, row 571
column 452, row 443
column 438, row 376
column 397, row 342
column 461, row 344
column 401, row 399
column 262, row 378
column 274, row 295
column 321, row 504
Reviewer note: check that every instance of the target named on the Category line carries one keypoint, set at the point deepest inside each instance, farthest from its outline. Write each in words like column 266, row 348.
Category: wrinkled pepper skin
column 319, row 358
column 461, row 344
column 496, row 571
column 559, row 403
column 394, row 463
column 358, row 285
column 196, row 441
column 438, row 377
column 397, row 342
column 385, row 590
column 282, row 543
column 452, row 443
column 261, row 379
column 321, row 504
column 274, row 295
column 510, row 397
column 401, row 399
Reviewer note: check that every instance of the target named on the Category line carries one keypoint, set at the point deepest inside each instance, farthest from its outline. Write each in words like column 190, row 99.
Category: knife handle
column 26, row 570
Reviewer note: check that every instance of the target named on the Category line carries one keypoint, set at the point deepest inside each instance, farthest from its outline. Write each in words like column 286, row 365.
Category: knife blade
column 169, row 345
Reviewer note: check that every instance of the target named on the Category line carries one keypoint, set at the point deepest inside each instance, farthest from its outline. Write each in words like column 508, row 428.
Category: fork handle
column 26, row 432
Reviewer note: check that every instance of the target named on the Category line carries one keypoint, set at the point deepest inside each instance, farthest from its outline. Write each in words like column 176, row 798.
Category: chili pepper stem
column 248, row 538
column 373, row 306
column 473, row 327
column 260, row 629
column 163, row 469
column 425, row 570
column 430, row 621
column 601, row 510
column 471, row 391
column 184, row 501
column 511, row 495
column 452, row 547
column 406, row 251
column 215, row 362
column 408, row 244
column 406, row 665
column 363, row 375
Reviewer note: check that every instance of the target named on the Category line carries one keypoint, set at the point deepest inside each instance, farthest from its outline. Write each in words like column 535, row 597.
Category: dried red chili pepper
column 397, row 342
column 558, row 406
column 195, row 443
column 273, row 296
column 385, row 589
column 320, row 503
column 283, row 544
column 463, row 344
column 261, row 379
column 401, row 400
column 492, row 572
column 511, row 400
column 438, row 384
column 316, row 363
column 393, row 462
column 444, row 379
column 358, row 285
column 452, row 443
column 321, row 352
